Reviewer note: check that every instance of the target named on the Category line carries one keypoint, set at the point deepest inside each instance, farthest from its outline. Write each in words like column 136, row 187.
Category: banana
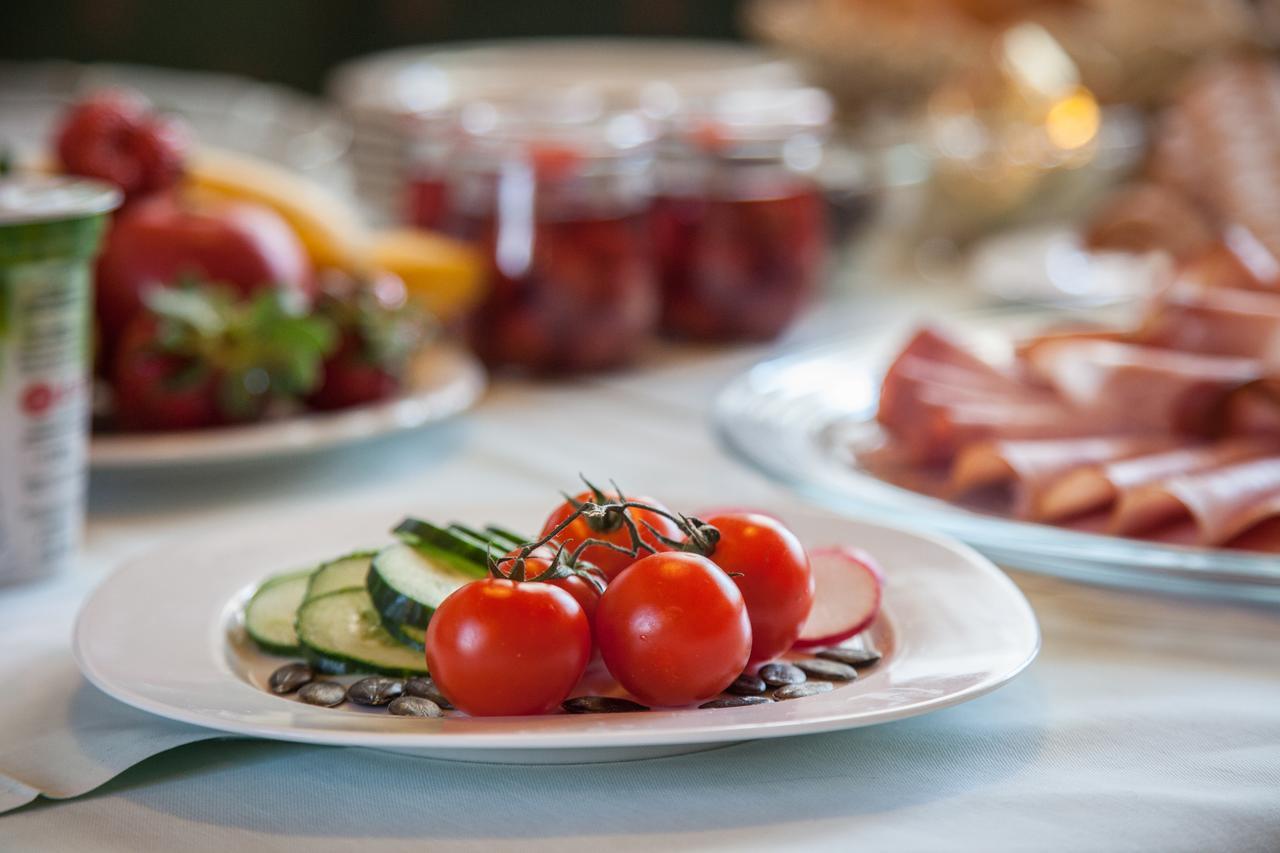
column 329, row 229
column 446, row 275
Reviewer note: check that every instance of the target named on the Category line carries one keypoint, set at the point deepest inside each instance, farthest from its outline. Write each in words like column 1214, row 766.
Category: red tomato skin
column 609, row 561
column 582, row 590
column 673, row 629
column 157, row 242
column 502, row 648
column 771, row 568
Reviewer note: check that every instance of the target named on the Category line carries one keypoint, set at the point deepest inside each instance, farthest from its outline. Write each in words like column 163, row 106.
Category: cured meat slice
column 938, row 395
column 1222, row 502
column 1255, row 409
column 1147, row 387
column 1097, row 486
column 1192, row 317
column 1034, row 467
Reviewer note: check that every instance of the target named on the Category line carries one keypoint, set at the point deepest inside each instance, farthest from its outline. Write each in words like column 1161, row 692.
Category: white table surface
column 1148, row 723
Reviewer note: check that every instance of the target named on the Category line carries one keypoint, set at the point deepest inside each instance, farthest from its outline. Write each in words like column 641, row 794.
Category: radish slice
column 846, row 596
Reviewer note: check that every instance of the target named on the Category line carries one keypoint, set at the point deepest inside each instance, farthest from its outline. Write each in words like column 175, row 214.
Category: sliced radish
column 846, row 596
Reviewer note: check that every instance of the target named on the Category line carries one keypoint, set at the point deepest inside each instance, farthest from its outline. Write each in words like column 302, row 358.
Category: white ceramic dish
column 952, row 628
column 444, row 382
column 799, row 419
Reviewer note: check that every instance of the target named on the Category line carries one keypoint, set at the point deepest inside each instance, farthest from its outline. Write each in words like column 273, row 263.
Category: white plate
column 798, row 419
column 445, row 381
column 163, row 634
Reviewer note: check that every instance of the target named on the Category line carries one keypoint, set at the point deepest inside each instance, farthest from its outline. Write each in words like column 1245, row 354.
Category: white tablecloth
column 1148, row 723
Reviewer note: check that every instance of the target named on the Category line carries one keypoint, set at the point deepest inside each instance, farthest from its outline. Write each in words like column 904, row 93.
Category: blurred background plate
column 262, row 119
column 797, row 418
column 445, row 381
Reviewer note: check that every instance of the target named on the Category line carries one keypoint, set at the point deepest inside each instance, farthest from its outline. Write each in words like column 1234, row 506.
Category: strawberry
column 198, row 356
column 115, row 136
column 379, row 334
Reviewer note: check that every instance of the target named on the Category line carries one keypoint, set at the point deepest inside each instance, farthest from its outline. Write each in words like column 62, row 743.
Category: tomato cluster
column 677, row 607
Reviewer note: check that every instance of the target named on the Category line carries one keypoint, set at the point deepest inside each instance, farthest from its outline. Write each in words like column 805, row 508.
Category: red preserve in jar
column 561, row 210
column 739, row 221
column 426, row 199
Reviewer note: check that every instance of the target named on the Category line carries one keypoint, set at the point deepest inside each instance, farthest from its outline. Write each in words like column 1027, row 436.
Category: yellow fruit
column 446, row 275
column 329, row 229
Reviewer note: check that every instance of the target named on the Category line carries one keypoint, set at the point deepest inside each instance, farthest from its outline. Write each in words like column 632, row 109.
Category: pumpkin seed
column 600, row 705
column 796, row 691
column 326, row 694
column 375, row 690
column 781, row 674
column 747, row 685
column 850, row 656
column 425, row 688
column 289, row 678
column 415, row 706
column 827, row 670
column 736, row 701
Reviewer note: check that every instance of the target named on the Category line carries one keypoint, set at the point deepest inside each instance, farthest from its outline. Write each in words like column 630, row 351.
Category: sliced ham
column 937, row 396
column 1196, row 318
column 1096, row 486
column 1147, row 387
column 1222, row 502
column 1033, row 468
column 1255, row 409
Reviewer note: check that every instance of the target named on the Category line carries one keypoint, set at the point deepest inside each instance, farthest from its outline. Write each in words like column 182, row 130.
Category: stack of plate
column 386, row 96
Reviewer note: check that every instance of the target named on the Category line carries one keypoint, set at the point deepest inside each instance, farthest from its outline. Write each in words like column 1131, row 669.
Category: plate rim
column 731, row 725
column 300, row 434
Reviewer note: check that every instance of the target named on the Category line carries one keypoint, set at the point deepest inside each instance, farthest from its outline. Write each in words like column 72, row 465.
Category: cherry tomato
column 770, row 566
column 607, row 560
column 499, row 647
column 583, row 591
column 673, row 629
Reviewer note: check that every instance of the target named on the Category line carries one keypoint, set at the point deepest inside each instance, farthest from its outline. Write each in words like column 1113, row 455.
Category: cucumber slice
column 341, row 632
column 409, row 635
column 464, row 553
column 481, row 540
column 407, row 583
column 269, row 615
column 347, row 572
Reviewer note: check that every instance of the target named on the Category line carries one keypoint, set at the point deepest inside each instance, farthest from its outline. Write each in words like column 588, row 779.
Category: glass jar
column 739, row 220
column 558, row 202
column 426, row 190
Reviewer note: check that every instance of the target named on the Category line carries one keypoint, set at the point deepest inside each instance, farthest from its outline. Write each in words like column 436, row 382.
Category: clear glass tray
column 796, row 418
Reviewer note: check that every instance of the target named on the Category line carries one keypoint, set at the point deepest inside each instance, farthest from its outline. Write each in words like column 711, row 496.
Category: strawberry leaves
column 262, row 349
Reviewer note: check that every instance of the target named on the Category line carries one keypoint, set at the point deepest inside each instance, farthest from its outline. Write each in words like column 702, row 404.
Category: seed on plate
column 736, row 701
column 326, row 694
column 600, row 705
column 425, row 688
column 850, row 656
column 415, row 706
column 827, row 670
column 780, row 674
column 290, row 677
column 375, row 690
column 796, row 691
column 747, row 685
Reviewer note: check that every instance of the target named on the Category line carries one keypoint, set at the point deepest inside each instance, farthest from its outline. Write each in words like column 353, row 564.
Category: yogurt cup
column 50, row 230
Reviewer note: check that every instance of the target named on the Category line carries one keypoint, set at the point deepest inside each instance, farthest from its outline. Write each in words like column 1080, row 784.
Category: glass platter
column 796, row 419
